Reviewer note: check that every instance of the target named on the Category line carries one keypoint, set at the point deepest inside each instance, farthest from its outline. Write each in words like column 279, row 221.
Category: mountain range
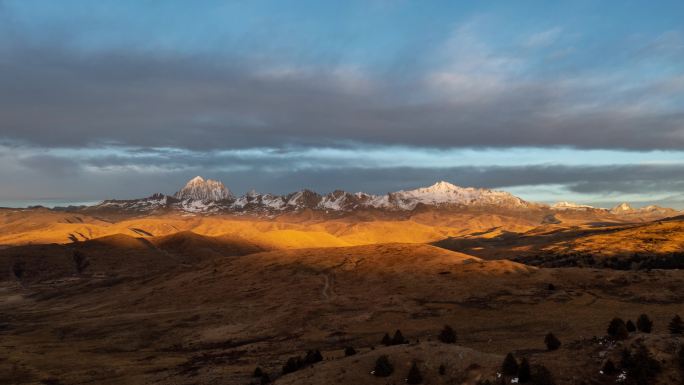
column 212, row 196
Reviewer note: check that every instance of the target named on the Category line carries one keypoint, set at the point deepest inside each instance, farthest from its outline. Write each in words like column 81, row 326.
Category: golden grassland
column 175, row 299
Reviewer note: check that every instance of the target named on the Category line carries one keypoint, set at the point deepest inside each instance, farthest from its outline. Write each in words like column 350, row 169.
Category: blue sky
column 577, row 100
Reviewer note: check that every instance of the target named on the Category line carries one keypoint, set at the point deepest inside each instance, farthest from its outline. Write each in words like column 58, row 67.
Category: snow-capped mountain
column 445, row 193
column 565, row 205
column 208, row 196
column 625, row 209
column 198, row 189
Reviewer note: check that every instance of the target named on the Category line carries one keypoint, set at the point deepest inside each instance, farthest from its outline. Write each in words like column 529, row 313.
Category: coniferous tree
column 398, row 338
column 18, row 270
column 510, row 365
column 644, row 324
column 80, row 261
column 552, row 343
column 524, row 374
column 258, row 372
column 676, row 326
column 614, row 325
column 626, row 359
column 414, row 376
column 630, row 326
column 386, row 340
column 383, row 367
column 542, row 376
column 313, row 356
column 293, row 364
column 447, row 335
column 645, row 367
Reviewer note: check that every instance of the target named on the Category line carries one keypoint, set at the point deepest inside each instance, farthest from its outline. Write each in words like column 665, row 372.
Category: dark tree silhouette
column 383, row 367
column 265, row 379
column 644, row 324
column 626, row 359
column 676, row 326
column 630, row 326
column 552, row 343
column 18, row 270
column 447, row 335
column 349, row 351
column 524, row 373
column 80, row 261
column 541, row 376
column 551, row 287
column 313, row 356
column 258, row 372
column 386, row 340
column 510, row 365
column 293, row 364
column 617, row 329
column 609, row 368
column 442, row 370
column 680, row 357
column 398, row 338
column 414, row 376
column 614, row 325
column 645, row 367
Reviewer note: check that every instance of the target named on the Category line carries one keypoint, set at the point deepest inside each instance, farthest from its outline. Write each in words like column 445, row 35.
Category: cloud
column 544, row 38
column 51, row 95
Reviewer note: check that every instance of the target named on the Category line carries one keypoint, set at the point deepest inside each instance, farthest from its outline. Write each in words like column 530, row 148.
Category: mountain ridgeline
column 213, row 197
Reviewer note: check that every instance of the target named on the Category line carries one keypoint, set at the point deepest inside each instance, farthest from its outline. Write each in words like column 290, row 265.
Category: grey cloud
column 51, row 96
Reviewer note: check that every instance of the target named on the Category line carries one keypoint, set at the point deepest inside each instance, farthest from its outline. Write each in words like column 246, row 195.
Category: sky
column 576, row 100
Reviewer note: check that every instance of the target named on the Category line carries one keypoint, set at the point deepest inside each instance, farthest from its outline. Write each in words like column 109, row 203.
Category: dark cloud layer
column 55, row 97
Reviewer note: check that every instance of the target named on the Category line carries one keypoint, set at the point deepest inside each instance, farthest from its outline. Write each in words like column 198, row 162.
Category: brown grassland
column 178, row 299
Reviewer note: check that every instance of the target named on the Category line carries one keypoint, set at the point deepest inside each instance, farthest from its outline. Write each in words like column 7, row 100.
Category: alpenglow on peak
column 204, row 190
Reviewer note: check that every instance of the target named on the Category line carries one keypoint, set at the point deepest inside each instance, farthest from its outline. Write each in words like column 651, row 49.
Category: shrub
column 552, row 343
column 398, row 338
column 265, row 379
column 644, row 324
column 609, row 368
column 414, row 376
column 258, row 372
column 524, row 374
column 383, row 367
column 510, row 365
column 551, row 287
column 442, row 369
column 676, row 326
column 447, row 335
column 630, row 326
column 349, row 351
